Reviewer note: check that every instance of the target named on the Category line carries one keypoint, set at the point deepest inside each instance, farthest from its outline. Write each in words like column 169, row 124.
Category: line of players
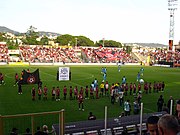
column 95, row 91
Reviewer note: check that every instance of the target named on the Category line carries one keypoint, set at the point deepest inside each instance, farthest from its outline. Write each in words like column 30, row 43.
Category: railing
column 32, row 120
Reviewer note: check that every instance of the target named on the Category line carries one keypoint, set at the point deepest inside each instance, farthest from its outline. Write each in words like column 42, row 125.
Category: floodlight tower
column 172, row 6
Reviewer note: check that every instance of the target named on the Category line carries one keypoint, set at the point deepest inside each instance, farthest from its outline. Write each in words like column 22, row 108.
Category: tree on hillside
column 2, row 37
column 31, row 36
column 84, row 41
column 72, row 40
column 64, row 39
column 44, row 40
column 109, row 43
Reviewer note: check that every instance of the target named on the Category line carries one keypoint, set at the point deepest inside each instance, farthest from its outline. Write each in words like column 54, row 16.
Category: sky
column 125, row 21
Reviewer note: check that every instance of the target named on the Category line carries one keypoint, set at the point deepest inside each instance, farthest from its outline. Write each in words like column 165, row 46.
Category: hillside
column 5, row 29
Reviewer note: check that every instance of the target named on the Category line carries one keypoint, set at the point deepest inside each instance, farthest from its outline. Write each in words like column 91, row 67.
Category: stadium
column 19, row 108
column 61, row 84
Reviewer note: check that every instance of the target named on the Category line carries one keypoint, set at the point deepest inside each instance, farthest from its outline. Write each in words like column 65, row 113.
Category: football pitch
column 12, row 103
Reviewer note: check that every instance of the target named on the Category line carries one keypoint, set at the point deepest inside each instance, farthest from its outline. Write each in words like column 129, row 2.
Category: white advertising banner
column 63, row 73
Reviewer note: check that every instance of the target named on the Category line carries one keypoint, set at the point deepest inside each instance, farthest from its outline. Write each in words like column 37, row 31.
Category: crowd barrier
column 115, row 126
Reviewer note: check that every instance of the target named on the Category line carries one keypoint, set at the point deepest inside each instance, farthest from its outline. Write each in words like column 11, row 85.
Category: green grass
column 12, row 103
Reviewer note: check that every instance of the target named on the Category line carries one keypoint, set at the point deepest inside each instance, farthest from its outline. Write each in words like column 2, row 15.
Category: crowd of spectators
column 3, row 53
column 67, row 55
column 168, row 56
column 162, row 55
column 43, row 54
column 107, row 55
column 48, row 54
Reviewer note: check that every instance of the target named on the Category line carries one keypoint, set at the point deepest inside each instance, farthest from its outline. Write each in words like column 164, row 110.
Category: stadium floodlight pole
column 172, row 6
column 105, row 121
column 141, row 114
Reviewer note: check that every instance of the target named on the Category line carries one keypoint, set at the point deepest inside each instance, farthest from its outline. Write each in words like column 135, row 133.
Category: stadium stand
column 3, row 53
column 49, row 54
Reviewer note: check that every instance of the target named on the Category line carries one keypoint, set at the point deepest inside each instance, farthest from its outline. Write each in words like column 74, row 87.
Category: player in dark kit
column 40, row 84
column 19, row 87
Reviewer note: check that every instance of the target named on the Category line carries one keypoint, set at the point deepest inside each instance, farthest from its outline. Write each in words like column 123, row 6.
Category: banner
column 30, row 78
column 63, row 73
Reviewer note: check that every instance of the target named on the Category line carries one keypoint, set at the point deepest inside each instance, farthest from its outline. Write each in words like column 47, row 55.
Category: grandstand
column 49, row 54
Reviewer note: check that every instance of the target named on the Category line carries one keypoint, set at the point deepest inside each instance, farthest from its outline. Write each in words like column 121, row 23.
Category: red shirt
column 57, row 91
column 65, row 90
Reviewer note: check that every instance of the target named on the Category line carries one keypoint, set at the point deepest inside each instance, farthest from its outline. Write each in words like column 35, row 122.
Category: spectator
column 14, row 131
column 136, row 107
column 39, row 132
column 91, row 116
column 46, row 131
column 127, row 108
column 160, row 103
column 27, row 132
column 152, row 126
column 168, row 125
column 178, row 110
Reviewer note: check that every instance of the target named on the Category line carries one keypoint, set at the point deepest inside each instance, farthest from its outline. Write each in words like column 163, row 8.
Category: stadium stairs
column 139, row 57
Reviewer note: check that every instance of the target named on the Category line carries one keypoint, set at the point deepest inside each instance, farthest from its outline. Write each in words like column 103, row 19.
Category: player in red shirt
column 57, row 94
column 70, row 93
column 39, row 93
column 45, row 93
column 76, row 92
column 91, row 92
column 80, row 101
column 134, row 88
column 82, row 91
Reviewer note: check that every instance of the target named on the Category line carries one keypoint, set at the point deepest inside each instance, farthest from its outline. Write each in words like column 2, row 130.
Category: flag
column 30, row 78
